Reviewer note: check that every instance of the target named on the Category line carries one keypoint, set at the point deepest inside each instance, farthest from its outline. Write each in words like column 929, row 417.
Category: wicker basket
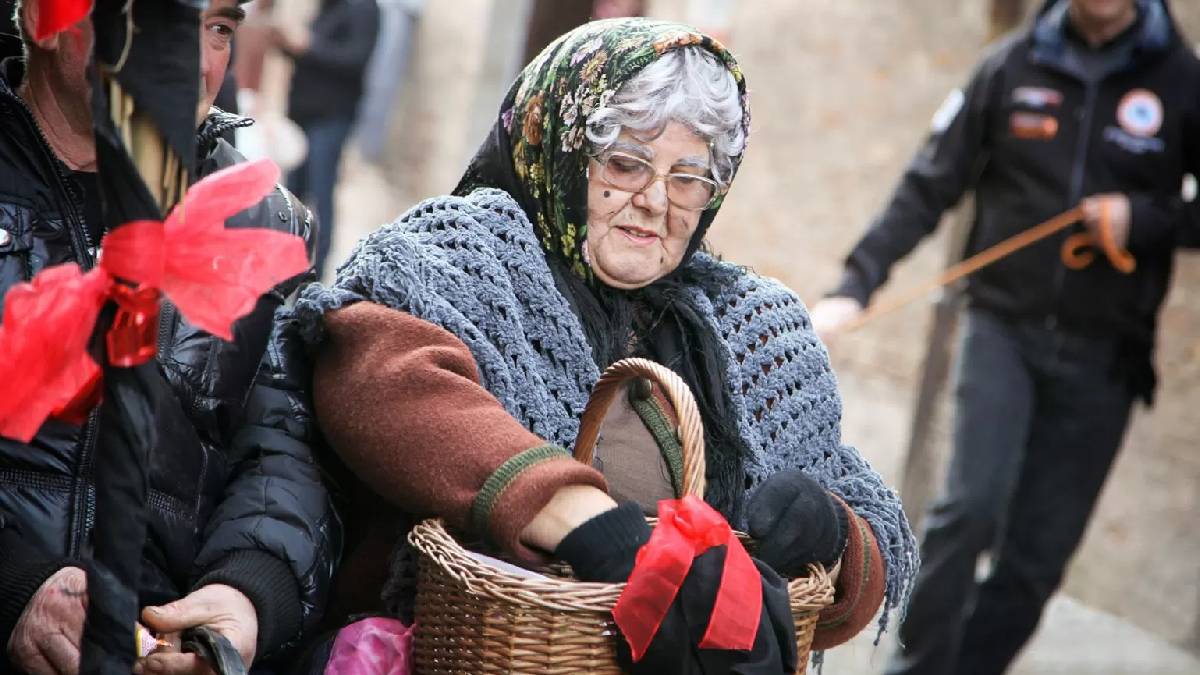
column 476, row 617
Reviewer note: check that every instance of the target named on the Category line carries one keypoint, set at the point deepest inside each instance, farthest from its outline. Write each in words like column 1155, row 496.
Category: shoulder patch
column 1140, row 113
column 946, row 112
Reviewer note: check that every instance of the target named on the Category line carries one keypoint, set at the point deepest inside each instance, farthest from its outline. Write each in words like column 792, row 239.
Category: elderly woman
column 457, row 348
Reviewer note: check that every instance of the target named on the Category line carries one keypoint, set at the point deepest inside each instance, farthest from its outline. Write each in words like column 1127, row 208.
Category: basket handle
column 691, row 429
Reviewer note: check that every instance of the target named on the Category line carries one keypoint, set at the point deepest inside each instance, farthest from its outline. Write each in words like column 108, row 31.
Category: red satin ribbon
column 133, row 337
column 55, row 16
column 213, row 275
column 686, row 528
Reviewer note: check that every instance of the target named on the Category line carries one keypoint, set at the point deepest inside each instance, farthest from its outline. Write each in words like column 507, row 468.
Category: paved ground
column 1075, row 640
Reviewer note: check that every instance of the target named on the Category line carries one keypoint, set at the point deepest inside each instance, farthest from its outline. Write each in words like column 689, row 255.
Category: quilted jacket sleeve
column 276, row 512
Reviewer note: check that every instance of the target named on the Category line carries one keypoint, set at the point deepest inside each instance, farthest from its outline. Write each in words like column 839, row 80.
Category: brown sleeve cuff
column 520, row 488
column 858, row 593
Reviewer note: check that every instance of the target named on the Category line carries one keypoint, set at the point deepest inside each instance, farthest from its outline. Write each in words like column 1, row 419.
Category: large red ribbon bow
column 686, row 528
column 213, row 275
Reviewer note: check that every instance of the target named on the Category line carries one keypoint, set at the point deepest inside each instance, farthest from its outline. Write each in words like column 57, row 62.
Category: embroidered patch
column 1033, row 126
column 1140, row 113
column 946, row 112
column 1138, row 145
column 1037, row 97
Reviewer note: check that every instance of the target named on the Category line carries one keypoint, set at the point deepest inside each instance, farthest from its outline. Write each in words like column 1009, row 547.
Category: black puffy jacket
column 222, row 508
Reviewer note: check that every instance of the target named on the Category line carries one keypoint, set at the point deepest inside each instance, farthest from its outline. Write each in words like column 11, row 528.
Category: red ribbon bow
column 213, row 275
column 686, row 528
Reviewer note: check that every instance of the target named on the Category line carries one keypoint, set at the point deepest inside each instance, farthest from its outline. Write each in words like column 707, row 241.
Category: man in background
column 1096, row 103
column 327, row 83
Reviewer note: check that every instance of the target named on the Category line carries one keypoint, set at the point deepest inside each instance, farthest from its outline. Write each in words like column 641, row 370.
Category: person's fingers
column 174, row 663
column 61, row 653
column 831, row 315
column 33, row 663
column 176, row 616
column 72, row 623
column 780, row 544
column 25, row 655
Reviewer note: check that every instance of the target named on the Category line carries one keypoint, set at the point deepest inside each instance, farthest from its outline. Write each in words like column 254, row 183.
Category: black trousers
column 1038, row 422
column 314, row 181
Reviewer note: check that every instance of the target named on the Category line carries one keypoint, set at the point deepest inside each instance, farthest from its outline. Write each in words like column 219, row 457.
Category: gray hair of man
column 687, row 85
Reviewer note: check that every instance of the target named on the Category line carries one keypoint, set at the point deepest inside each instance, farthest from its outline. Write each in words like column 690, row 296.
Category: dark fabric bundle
column 157, row 65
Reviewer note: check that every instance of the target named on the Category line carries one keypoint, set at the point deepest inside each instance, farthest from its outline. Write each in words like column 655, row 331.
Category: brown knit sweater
column 399, row 400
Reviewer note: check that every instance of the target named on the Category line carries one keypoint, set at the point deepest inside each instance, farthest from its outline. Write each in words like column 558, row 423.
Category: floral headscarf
column 536, row 149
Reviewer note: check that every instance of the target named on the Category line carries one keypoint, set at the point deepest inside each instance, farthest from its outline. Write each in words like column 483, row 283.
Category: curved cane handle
column 1077, row 251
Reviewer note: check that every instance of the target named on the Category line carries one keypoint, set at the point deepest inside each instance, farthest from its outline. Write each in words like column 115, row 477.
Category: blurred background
column 842, row 93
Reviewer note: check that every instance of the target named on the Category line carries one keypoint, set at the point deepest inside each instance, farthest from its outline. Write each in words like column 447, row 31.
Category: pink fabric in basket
column 375, row 646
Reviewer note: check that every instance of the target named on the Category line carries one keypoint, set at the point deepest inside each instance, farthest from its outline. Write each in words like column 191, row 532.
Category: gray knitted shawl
column 474, row 267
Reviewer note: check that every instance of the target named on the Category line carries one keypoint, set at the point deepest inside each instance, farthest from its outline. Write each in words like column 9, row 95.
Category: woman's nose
column 654, row 197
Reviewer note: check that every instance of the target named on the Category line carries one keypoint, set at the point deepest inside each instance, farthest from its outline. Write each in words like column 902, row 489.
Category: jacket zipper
column 82, row 504
column 83, row 515
column 78, row 236
column 166, row 327
column 1078, row 170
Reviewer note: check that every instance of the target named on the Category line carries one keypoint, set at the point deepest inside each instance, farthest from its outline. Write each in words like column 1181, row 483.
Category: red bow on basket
column 213, row 275
column 686, row 528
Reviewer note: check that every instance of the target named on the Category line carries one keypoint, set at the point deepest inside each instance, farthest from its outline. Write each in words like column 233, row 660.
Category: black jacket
column 328, row 79
column 1032, row 136
column 222, row 509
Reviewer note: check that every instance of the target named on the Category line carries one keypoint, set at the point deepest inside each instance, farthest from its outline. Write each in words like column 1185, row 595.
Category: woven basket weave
column 476, row 617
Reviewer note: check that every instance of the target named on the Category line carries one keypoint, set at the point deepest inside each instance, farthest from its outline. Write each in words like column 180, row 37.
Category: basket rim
column 435, row 543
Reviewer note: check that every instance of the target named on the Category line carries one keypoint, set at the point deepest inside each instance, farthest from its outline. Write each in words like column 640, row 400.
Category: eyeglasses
column 634, row 174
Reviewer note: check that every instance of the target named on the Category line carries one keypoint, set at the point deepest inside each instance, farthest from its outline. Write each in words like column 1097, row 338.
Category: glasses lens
column 691, row 192
column 627, row 173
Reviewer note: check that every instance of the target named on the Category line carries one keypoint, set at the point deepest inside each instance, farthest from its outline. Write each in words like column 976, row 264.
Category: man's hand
column 831, row 315
column 46, row 638
column 293, row 40
column 222, row 608
column 1117, row 205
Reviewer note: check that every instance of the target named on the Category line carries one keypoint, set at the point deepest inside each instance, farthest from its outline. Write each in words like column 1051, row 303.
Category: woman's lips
column 639, row 236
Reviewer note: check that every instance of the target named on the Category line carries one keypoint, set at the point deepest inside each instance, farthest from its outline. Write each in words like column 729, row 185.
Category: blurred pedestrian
column 386, row 71
column 1098, row 102
column 330, row 66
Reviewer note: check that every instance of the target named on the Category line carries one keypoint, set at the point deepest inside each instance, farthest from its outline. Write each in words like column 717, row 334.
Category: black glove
column 796, row 522
column 605, row 549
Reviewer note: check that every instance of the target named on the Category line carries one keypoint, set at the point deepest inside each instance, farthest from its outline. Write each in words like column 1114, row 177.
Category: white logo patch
column 946, row 112
column 1037, row 97
column 1140, row 113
